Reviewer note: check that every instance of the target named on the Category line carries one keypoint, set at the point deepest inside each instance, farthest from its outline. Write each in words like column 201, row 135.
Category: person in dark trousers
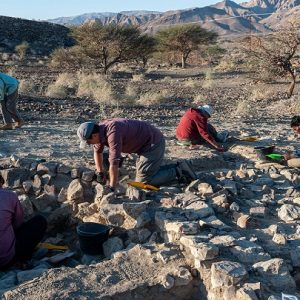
column 293, row 159
column 131, row 136
column 8, row 102
column 194, row 129
column 18, row 239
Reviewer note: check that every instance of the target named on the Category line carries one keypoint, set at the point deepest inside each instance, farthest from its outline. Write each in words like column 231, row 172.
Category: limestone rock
column 198, row 210
column 112, row 245
column 204, row 251
column 47, row 168
column 75, row 192
column 29, row 274
column 275, row 273
column 63, row 169
column 205, row 189
column 249, row 252
column 26, row 205
column 183, row 277
column 13, row 178
column 76, row 173
column 226, row 273
column 135, row 194
column 88, row 175
column 289, row 212
column 134, row 209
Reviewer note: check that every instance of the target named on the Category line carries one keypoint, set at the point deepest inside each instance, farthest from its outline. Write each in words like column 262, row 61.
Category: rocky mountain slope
column 42, row 37
column 226, row 17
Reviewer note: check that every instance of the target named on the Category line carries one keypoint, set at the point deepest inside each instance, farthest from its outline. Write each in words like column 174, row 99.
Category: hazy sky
column 46, row 9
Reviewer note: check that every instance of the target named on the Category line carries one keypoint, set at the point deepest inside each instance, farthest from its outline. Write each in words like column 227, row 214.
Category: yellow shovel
column 143, row 186
column 248, row 138
column 51, row 246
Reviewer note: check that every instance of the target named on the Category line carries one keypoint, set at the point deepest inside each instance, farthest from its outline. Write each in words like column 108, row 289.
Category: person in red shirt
column 194, row 129
column 18, row 239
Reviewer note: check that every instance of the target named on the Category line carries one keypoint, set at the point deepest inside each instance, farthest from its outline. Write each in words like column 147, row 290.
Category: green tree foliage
column 184, row 39
column 107, row 45
column 145, row 48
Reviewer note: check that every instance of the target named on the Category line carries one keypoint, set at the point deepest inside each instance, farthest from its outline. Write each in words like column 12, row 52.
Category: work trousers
column 149, row 169
column 9, row 108
column 28, row 235
column 294, row 163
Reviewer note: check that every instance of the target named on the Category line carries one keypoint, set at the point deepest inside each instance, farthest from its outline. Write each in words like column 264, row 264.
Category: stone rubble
column 238, row 233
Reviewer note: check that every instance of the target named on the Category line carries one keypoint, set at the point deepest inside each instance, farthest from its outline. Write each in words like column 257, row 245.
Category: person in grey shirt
column 131, row 136
column 8, row 102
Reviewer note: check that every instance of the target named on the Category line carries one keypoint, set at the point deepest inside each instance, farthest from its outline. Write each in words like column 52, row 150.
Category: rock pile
column 235, row 232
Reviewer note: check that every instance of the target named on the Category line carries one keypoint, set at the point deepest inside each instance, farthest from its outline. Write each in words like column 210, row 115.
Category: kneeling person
column 194, row 129
column 293, row 159
column 130, row 136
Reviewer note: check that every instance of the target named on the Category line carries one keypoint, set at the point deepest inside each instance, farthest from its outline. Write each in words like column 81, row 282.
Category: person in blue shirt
column 8, row 102
column 293, row 159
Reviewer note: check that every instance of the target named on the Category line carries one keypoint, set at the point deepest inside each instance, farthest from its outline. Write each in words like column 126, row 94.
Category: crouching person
column 131, row 136
column 293, row 159
column 194, row 129
column 18, row 239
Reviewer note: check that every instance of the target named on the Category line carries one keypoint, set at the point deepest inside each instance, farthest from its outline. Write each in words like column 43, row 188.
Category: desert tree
column 184, row 39
column 275, row 55
column 145, row 47
column 213, row 53
column 68, row 58
column 107, row 45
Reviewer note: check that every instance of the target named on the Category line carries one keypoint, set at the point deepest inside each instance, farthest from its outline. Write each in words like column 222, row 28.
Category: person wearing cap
column 131, row 136
column 8, row 102
column 18, row 239
column 194, row 129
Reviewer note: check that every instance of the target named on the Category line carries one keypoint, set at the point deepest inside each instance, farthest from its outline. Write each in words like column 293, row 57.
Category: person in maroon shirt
column 131, row 136
column 194, row 128
column 18, row 239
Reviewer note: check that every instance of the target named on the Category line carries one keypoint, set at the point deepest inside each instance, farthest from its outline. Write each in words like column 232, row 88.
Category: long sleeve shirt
column 11, row 217
column 8, row 85
column 126, row 136
column 192, row 126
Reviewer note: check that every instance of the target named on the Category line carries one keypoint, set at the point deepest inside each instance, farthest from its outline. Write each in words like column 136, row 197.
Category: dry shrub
column 95, row 86
column 243, row 108
column 138, row 77
column 191, row 83
column 225, row 66
column 131, row 94
column 151, row 98
column 261, row 94
column 28, row 87
column 200, row 100
column 68, row 80
column 61, row 87
column 167, row 79
column 56, row 91
column 209, row 80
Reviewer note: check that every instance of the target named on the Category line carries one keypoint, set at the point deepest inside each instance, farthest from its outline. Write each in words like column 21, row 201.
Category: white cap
column 207, row 108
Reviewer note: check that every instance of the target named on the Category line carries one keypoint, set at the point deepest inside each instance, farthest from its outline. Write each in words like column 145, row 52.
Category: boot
column 19, row 124
column 7, row 126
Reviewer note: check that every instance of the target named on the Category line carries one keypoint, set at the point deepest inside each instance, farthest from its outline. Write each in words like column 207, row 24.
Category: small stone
column 112, row 245
column 259, row 211
column 88, row 175
column 289, row 212
column 183, row 277
column 234, row 207
column 279, row 239
column 204, row 251
column 168, row 282
column 205, row 189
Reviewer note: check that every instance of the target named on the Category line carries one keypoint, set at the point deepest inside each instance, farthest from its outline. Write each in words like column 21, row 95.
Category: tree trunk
column 183, row 61
column 292, row 84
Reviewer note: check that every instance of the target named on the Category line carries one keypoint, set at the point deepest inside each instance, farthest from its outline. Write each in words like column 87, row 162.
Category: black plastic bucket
column 91, row 237
column 261, row 152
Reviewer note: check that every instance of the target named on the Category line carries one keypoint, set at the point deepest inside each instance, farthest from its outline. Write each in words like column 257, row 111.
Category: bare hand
column 288, row 156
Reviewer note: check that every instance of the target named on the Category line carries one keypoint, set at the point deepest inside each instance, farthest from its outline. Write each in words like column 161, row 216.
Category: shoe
column 19, row 124
column 186, row 169
column 223, row 136
column 6, row 127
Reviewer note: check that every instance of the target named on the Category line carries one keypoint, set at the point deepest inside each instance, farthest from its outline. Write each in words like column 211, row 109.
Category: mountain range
column 226, row 17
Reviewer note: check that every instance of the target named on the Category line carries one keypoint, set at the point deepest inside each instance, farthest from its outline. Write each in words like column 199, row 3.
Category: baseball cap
column 84, row 132
column 207, row 108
